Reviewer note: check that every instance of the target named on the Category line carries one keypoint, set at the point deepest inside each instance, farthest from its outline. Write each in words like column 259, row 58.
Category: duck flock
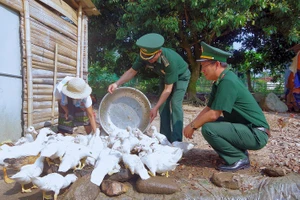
column 143, row 154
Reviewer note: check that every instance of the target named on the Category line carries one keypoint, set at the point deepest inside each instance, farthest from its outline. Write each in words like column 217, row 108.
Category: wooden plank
column 42, row 61
column 48, row 81
column 40, row 98
column 50, row 55
column 28, row 61
column 45, row 16
column 90, row 8
column 84, row 47
column 62, row 8
column 39, row 65
column 48, row 33
column 79, row 39
column 14, row 4
column 42, row 73
column 39, row 92
column 54, row 80
column 49, row 44
column 87, row 5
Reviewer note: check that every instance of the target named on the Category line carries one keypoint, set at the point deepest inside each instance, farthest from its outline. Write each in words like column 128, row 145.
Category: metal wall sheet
column 10, row 75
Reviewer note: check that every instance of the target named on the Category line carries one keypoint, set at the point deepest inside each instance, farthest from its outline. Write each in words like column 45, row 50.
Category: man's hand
column 188, row 131
column 112, row 87
column 153, row 114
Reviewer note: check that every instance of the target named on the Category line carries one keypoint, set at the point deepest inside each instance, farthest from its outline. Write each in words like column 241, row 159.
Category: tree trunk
column 195, row 71
column 249, row 81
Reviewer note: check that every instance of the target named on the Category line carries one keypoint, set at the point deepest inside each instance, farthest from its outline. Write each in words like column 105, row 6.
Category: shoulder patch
column 165, row 60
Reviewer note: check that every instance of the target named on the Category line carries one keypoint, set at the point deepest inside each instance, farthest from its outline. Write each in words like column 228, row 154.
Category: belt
column 267, row 131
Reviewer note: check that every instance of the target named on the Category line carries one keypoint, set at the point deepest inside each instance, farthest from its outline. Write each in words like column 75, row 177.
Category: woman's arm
column 92, row 119
column 65, row 108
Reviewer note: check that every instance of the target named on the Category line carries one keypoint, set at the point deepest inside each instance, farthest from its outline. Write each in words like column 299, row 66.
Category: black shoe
column 241, row 164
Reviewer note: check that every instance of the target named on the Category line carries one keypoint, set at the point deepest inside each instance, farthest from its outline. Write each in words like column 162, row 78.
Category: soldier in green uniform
column 242, row 126
column 174, row 78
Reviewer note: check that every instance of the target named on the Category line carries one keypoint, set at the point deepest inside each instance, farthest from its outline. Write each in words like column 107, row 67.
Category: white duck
column 29, row 136
column 135, row 165
column 27, row 171
column 106, row 164
column 28, row 149
column 60, row 137
column 129, row 144
column 82, row 139
column 96, row 146
column 184, row 146
column 24, row 150
column 73, row 155
column 54, row 150
column 152, row 132
column 161, row 162
column 53, row 182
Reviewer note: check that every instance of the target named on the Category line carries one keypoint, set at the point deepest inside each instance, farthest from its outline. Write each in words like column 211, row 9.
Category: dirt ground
column 282, row 151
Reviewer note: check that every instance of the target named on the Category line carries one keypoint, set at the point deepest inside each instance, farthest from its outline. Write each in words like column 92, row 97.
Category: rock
column 87, row 170
column 273, row 103
column 123, row 176
column 274, row 172
column 113, row 188
column 157, row 185
column 259, row 97
column 82, row 189
column 225, row 180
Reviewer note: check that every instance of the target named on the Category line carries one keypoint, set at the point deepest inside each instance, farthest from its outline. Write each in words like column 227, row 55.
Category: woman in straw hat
column 75, row 105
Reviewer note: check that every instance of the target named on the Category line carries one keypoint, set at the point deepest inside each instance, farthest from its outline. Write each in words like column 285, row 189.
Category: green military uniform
column 237, row 131
column 172, row 69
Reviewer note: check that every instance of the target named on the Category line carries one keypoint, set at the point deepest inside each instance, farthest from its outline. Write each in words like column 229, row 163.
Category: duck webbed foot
column 46, row 196
column 6, row 178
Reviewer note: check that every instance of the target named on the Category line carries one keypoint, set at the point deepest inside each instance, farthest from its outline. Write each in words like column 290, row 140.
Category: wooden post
column 82, row 48
column 28, row 63
column 54, row 82
column 79, row 39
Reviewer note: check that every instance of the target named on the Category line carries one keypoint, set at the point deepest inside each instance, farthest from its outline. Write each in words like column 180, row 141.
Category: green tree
column 184, row 23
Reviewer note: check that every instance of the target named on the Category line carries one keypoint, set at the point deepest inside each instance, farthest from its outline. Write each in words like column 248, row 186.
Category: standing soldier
column 174, row 78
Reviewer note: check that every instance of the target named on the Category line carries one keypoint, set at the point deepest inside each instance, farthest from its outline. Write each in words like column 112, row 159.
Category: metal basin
column 126, row 106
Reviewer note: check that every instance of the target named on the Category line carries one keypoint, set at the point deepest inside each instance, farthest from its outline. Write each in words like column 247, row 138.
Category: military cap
column 213, row 53
column 149, row 45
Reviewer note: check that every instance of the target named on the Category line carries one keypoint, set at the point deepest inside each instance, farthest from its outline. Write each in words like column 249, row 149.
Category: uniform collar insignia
column 222, row 76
